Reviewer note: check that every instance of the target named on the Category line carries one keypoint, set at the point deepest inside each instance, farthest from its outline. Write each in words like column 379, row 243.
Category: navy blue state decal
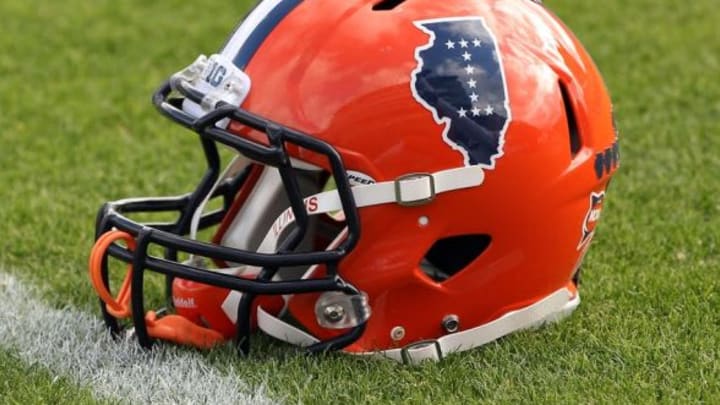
column 460, row 79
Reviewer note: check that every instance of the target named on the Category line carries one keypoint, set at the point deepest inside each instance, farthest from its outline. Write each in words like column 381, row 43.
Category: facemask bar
column 184, row 204
column 169, row 235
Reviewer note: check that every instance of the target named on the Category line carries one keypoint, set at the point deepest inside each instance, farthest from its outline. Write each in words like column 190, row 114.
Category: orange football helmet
column 411, row 178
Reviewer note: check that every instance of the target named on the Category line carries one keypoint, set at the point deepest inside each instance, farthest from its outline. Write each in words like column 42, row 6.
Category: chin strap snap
column 173, row 328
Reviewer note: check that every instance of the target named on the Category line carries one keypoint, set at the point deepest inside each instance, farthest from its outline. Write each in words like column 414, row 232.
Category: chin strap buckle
column 414, row 189
column 417, row 352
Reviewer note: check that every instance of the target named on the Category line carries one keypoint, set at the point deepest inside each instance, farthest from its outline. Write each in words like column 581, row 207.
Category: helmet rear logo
column 591, row 218
column 459, row 78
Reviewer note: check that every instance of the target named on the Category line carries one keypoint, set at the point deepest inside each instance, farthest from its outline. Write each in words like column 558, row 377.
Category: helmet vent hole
column 384, row 5
column 448, row 256
column 574, row 131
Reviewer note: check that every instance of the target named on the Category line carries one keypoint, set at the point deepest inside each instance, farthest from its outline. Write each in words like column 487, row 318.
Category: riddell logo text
column 181, row 302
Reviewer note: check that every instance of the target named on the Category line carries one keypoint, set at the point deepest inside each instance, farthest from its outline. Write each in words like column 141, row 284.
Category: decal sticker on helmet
column 591, row 218
column 359, row 178
column 184, row 302
column 460, row 79
column 607, row 161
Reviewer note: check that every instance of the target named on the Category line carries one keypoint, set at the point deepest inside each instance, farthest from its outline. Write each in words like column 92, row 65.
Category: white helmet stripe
column 251, row 33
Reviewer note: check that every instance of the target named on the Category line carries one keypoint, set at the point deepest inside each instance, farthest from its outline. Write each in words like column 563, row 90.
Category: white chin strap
column 552, row 308
column 409, row 190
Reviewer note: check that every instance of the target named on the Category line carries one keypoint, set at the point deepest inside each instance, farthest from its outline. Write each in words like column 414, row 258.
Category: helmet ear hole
column 573, row 129
column 448, row 256
column 386, row 5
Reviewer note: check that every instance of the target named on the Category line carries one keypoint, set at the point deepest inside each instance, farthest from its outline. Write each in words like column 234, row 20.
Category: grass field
column 77, row 128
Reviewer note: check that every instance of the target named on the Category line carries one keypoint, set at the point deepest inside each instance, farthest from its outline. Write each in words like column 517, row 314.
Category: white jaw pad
column 249, row 225
column 255, row 217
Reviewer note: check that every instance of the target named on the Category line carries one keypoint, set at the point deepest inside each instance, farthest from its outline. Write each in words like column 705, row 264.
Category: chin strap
column 550, row 309
column 409, row 190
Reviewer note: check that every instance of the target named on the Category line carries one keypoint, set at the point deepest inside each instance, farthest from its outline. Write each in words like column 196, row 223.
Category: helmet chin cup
column 180, row 330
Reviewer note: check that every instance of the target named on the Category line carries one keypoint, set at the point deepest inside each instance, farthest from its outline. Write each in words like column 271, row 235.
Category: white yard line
column 75, row 344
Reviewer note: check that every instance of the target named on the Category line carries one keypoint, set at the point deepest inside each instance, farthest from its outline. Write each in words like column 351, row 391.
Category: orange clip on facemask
column 174, row 328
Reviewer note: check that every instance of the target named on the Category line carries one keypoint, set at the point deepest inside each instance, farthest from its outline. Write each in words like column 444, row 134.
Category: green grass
column 77, row 129
column 23, row 384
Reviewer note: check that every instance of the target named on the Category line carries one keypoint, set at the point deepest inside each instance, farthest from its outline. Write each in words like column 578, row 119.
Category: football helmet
column 408, row 179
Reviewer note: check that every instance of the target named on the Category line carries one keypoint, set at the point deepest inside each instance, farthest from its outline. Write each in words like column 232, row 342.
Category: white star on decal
column 475, row 111
column 471, row 83
column 450, row 44
column 463, row 43
column 476, row 42
column 462, row 112
column 474, row 97
column 469, row 69
column 489, row 110
column 466, row 56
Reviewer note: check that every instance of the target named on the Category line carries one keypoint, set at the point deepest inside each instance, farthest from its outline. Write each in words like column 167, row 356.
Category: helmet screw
column 334, row 313
column 397, row 333
column 451, row 323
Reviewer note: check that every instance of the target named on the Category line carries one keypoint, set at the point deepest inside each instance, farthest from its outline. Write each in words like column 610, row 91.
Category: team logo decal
column 460, row 79
column 591, row 218
column 607, row 161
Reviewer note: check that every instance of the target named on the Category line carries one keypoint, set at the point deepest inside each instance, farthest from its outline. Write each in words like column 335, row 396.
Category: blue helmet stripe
column 262, row 30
